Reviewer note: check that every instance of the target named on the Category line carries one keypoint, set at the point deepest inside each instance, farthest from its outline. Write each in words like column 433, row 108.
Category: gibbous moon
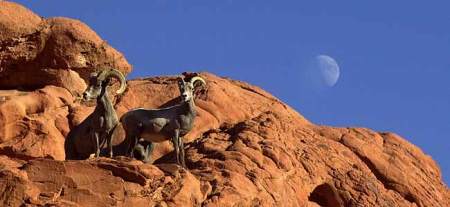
column 328, row 68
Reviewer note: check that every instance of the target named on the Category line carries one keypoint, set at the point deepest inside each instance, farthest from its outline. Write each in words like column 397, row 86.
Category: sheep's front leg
column 181, row 146
column 176, row 145
column 97, row 144
column 144, row 150
column 109, row 143
column 97, row 136
column 131, row 145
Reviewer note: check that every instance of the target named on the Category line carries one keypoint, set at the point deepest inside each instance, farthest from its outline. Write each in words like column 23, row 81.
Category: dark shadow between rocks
column 326, row 196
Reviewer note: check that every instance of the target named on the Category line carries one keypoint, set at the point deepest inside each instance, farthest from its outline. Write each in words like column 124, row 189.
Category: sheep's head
column 187, row 89
column 99, row 81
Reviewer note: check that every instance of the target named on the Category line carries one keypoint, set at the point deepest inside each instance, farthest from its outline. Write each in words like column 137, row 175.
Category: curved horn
column 117, row 74
column 197, row 78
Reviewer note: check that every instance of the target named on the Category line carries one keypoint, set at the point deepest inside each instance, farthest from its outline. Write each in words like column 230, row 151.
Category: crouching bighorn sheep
column 100, row 124
column 158, row 125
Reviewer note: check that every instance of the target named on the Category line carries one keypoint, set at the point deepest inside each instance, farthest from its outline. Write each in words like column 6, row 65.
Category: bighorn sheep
column 158, row 125
column 100, row 124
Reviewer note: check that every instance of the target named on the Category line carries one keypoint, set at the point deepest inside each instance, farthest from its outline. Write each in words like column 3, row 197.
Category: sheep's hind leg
column 145, row 149
column 133, row 144
column 148, row 152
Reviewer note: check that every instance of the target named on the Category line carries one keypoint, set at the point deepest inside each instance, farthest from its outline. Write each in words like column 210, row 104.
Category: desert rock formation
column 247, row 147
column 35, row 52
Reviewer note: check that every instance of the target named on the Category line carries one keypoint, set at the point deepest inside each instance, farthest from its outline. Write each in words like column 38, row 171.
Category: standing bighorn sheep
column 99, row 126
column 158, row 125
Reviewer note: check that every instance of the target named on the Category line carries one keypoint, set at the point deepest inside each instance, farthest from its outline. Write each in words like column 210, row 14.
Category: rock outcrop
column 35, row 52
column 247, row 147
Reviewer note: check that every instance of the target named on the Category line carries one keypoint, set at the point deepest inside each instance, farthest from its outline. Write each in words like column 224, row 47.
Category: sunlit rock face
column 36, row 52
column 247, row 148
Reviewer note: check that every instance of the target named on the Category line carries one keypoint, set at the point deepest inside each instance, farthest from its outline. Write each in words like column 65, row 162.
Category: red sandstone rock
column 34, row 124
column 37, row 52
column 262, row 161
column 247, row 148
column 16, row 21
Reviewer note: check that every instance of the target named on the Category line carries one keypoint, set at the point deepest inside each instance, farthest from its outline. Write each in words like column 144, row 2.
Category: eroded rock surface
column 262, row 161
column 247, row 147
column 35, row 52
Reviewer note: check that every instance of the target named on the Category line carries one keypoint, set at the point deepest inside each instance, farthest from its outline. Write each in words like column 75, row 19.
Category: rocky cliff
column 247, row 147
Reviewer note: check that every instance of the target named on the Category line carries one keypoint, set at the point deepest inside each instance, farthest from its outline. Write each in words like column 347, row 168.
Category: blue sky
column 393, row 55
